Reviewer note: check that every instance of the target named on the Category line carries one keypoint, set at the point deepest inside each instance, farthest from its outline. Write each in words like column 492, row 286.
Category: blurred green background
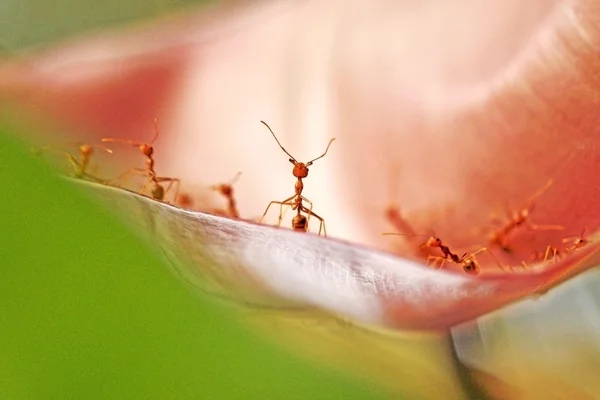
column 38, row 22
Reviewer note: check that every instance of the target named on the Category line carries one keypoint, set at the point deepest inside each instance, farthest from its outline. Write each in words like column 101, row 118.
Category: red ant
column 157, row 191
column 519, row 218
column 469, row 262
column 226, row 190
column 577, row 243
column 81, row 165
column 300, row 171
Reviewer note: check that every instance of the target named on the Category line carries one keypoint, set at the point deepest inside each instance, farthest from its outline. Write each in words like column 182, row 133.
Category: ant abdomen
column 147, row 150
column 158, row 192
column 299, row 223
column 470, row 267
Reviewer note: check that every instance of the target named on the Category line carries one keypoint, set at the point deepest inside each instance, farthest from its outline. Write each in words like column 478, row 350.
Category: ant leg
column 286, row 202
column 547, row 253
column 282, row 203
column 282, row 211
column 436, row 260
column 305, row 200
column 534, row 227
column 502, row 267
column 322, row 221
column 125, row 175
column 150, row 182
column 77, row 167
column 172, row 181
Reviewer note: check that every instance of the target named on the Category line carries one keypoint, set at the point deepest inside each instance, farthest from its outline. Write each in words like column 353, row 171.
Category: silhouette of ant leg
column 322, row 221
column 287, row 207
column 79, row 171
column 148, row 183
column 281, row 203
column 124, row 177
column 77, row 167
column 286, row 202
column 555, row 254
column 502, row 267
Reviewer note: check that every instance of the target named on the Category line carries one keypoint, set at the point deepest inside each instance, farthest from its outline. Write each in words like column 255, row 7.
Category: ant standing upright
column 520, row 218
column 157, row 191
column 300, row 171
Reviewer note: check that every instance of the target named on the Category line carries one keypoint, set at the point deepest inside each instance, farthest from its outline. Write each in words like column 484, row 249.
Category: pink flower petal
column 281, row 268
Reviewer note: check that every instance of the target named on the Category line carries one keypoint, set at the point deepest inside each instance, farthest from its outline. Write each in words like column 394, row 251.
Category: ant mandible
column 226, row 190
column 157, row 191
column 300, row 171
column 519, row 218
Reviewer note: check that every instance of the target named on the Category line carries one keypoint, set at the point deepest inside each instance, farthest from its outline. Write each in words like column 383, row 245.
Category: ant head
column 147, row 149
column 471, row 267
column 225, row 190
column 300, row 170
column 434, row 242
column 86, row 150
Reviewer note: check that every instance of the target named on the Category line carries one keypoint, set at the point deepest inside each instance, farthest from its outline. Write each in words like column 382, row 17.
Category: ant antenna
column 540, row 192
column 131, row 142
column 293, row 159
column 156, row 128
column 235, row 178
column 322, row 155
column 282, row 148
column 403, row 234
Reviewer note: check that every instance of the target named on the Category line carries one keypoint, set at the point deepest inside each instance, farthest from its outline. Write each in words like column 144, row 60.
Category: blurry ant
column 300, row 171
column 577, row 242
column 469, row 262
column 519, row 218
column 392, row 212
column 226, row 190
column 81, row 165
column 157, row 191
column 184, row 200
